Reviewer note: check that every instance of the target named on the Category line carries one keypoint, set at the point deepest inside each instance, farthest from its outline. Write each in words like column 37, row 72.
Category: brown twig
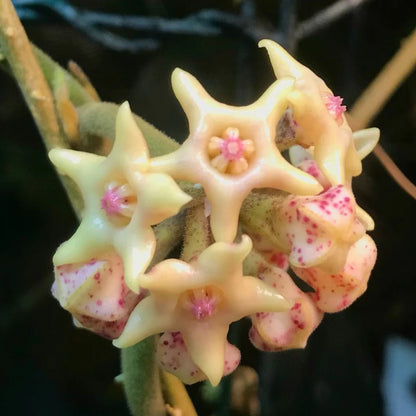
column 394, row 171
column 375, row 96
column 325, row 17
column 18, row 52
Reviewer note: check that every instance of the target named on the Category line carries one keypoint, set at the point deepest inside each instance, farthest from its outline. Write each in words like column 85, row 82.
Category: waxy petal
column 318, row 125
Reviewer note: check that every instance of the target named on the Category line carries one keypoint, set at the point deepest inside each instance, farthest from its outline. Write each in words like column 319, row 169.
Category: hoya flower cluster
column 258, row 214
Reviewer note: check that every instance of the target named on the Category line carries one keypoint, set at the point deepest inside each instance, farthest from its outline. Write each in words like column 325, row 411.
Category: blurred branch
column 206, row 22
column 326, row 17
column 375, row 96
column 287, row 23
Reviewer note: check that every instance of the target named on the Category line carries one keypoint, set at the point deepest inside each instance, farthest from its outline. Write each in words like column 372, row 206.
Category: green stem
column 168, row 235
column 141, row 379
column 97, row 119
column 197, row 235
column 256, row 215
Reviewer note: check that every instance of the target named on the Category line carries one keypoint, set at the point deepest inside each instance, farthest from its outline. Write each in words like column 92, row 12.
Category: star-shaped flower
column 231, row 150
column 336, row 291
column 318, row 229
column 122, row 199
column 319, row 115
column 200, row 300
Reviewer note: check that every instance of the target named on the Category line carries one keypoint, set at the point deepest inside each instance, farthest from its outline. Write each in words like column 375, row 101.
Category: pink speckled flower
column 318, row 230
column 276, row 331
column 336, row 291
column 173, row 356
column 95, row 294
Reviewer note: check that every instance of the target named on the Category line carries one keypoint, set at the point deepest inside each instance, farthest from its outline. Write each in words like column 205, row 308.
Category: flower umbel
column 300, row 213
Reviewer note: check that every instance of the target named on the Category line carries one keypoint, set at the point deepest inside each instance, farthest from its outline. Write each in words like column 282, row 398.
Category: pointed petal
column 90, row 239
column 273, row 102
column 225, row 203
column 174, row 357
column 146, row 319
column 191, row 95
column 72, row 162
column 283, row 63
column 221, row 259
column 365, row 141
column 280, row 174
column 129, row 144
column 172, row 275
column 136, row 246
column 166, row 202
column 206, row 345
column 255, row 296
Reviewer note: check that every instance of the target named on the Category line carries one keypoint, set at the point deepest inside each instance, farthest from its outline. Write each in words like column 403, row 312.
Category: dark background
column 48, row 366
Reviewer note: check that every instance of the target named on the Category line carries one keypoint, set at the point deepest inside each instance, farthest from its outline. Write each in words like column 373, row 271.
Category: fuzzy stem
column 141, row 380
column 176, row 395
column 256, row 216
column 97, row 119
column 168, row 234
column 197, row 233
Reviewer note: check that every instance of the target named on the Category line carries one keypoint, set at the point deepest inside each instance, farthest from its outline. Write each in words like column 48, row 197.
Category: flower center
column 334, row 106
column 230, row 153
column 202, row 303
column 118, row 200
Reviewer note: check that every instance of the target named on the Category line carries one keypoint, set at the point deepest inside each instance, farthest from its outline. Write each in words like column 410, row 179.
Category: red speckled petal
column 275, row 331
column 335, row 292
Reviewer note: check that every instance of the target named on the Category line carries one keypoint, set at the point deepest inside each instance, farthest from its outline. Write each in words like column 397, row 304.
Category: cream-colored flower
column 200, row 300
column 122, row 199
column 319, row 117
column 231, row 150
